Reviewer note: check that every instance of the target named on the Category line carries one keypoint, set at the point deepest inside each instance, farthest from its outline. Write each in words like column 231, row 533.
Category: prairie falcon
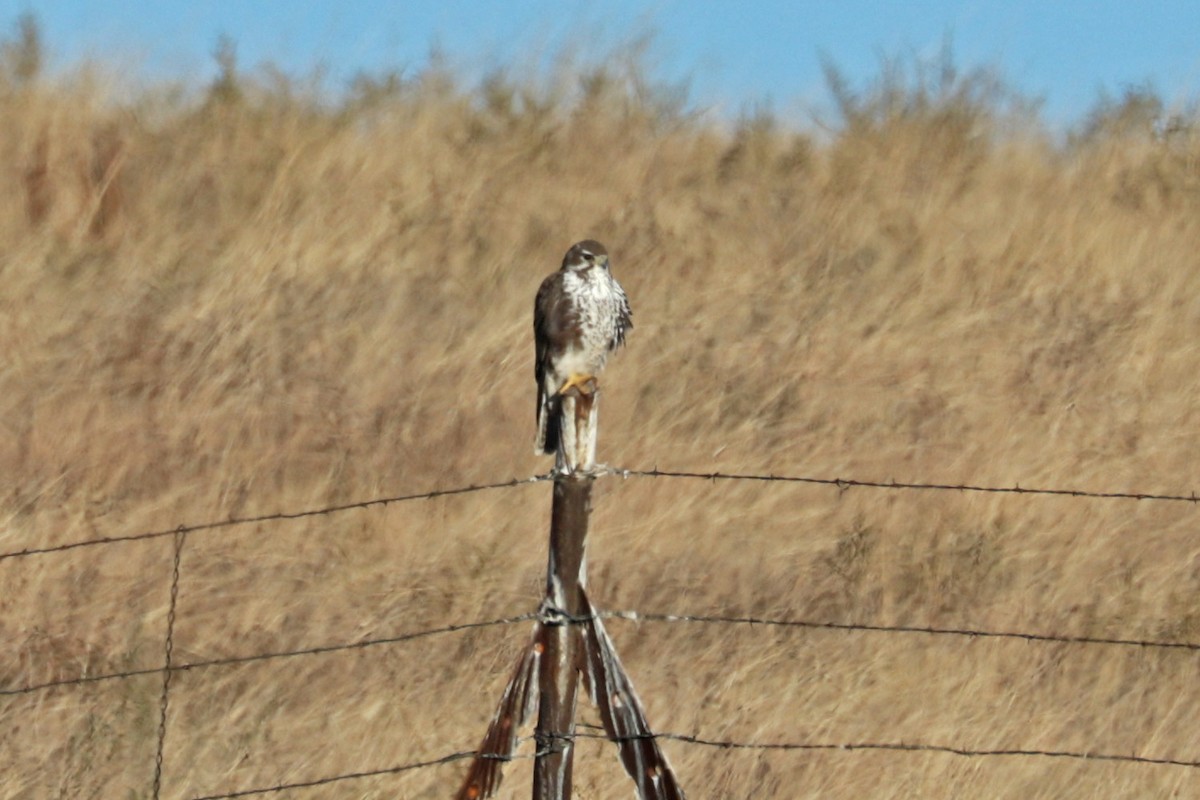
column 580, row 315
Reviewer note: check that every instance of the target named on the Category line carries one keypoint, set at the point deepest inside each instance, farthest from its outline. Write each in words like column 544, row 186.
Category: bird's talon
column 582, row 384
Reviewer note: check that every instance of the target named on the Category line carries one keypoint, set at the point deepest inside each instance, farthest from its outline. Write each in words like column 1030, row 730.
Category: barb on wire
column 848, row 483
column 273, row 517
column 730, row 744
column 637, row 616
column 307, row 651
column 82, row 680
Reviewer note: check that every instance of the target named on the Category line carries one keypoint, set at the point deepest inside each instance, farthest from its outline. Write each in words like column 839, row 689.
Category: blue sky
column 735, row 54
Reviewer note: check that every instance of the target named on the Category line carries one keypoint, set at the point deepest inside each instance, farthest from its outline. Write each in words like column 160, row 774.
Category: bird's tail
column 548, row 418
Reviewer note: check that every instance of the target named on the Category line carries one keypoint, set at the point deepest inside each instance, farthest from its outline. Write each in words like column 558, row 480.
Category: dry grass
column 256, row 302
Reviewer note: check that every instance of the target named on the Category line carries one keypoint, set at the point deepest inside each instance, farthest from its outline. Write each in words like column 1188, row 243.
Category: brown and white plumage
column 581, row 314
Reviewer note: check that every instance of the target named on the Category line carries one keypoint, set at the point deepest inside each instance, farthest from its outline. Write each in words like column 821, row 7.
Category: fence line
column 848, row 483
column 727, row 744
column 415, row 765
column 307, row 651
column 730, row 744
column 632, row 616
column 169, row 667
column 970, row 633
column 840, row 483
column 273, row 517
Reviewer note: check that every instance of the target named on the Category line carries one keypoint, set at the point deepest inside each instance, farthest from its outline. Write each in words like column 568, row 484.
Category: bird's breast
column 596, row 303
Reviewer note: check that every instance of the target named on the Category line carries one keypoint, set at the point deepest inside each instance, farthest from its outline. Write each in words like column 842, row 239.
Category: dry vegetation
column 249, row 299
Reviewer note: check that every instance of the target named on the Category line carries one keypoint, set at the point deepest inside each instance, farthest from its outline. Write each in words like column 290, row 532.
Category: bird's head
column 584, row 255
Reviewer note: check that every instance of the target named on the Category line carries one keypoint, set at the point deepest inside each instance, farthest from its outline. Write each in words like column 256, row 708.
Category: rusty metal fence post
column 561, row 659
column 569, row 641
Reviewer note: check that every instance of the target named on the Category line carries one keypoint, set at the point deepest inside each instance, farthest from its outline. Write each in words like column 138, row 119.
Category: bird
column 580, row 316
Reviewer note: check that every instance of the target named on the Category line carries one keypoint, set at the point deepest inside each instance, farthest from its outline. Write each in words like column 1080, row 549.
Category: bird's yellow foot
column 584, row 384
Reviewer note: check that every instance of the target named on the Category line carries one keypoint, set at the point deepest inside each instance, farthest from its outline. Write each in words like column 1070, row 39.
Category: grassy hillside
column 251, row 298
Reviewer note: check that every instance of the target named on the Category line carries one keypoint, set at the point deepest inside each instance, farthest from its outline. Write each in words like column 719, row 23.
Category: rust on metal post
column 561, row 661
column 563, row 605
column 570, row 642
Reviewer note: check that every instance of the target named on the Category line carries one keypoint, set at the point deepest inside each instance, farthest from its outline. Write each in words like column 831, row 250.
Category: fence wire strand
column 840, row 483
column 849, row 483
column 732, row 744
column 970, row 633
column 630, row 616
column 349, row 776
column 595, row 732
column 306, row 651
column 277, row 516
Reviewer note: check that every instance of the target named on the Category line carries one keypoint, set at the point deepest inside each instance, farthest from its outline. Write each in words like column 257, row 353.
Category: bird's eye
column 589, row 257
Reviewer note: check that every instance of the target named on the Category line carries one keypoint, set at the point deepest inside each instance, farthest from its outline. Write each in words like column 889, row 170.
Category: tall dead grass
column 256, row 298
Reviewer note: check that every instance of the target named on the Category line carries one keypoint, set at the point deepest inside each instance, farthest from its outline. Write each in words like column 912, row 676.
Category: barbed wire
column 840, row 483
column 723, row 744
column 273, row 517
column 306, row 651
column 81, row 680
column 348, row 776
column 731, row 744
column 971, row 633
column 631, row 616
column 180, row 533
column 848, row 483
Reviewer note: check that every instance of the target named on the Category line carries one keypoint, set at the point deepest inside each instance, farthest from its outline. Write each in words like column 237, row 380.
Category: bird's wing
column 547, row 325
column 624, row 316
